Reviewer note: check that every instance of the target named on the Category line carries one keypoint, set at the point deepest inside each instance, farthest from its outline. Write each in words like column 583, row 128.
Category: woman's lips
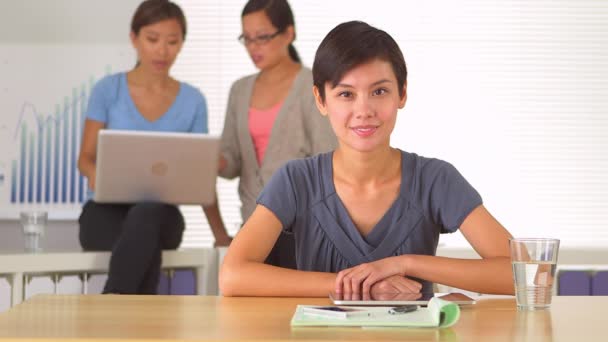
column 160, row 64
column 256, row 58
column 364, row 131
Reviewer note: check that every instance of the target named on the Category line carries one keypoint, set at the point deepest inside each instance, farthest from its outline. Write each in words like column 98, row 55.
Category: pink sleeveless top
column 260, row 127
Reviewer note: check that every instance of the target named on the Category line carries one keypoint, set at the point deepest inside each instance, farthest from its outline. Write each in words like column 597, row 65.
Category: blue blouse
column 110, row 102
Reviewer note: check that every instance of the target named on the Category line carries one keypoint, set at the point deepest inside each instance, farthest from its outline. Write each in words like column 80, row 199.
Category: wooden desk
column 163, row 318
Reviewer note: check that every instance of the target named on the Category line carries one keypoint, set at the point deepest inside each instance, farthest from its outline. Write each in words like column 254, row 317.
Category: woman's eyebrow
column 345, row 85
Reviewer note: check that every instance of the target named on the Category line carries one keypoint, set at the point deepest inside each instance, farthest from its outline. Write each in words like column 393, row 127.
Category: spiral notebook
column 439, row 313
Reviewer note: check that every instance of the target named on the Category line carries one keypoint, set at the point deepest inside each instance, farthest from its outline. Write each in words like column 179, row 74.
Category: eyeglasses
column 258, row 40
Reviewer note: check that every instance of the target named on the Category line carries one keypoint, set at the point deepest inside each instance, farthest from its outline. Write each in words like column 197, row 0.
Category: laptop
column 168, row 167
column 397, row 299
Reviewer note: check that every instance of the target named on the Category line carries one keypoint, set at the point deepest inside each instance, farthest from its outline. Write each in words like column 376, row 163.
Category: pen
column 402, row 309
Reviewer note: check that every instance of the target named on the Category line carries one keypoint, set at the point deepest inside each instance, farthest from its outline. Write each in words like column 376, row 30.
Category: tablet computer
column 397, row 299
column 168, row 167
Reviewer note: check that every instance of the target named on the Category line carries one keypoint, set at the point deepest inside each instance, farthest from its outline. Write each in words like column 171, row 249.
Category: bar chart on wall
column 44, row 100
column 45, row 168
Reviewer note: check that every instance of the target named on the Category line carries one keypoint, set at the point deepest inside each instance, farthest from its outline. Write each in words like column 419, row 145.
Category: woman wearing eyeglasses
column 271, row 116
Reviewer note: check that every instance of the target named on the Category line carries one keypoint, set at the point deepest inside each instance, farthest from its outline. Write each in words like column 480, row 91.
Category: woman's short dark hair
column 351, row 44
column 280, row 15
column 152, row 11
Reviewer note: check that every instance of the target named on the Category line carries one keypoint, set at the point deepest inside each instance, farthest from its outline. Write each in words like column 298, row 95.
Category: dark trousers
column 283, row 252
column 136, row 234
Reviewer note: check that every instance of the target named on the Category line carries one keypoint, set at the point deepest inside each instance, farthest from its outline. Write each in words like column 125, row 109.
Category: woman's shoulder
column 305, row 74
column 110, row 81
column 191, row 92
column 309, row 169
column 424, row 166
column 302, row 86
column 423, row 161
column 429, row 172
column 243, row 82
column 305, row 177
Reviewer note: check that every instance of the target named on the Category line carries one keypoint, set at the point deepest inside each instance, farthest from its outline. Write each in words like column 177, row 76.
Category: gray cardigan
column 299, row 131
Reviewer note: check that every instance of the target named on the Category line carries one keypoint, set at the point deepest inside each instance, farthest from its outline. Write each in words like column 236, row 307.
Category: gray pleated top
column 434, row 198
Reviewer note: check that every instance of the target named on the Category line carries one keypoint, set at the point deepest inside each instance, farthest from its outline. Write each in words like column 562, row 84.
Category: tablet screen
column 397, row 298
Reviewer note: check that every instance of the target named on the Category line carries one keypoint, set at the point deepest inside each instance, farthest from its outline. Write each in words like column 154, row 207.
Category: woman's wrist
column 405, row 262
column 222, row 241
column 332, row 283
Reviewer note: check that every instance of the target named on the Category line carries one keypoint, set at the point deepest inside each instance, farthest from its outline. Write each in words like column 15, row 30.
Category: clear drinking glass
column 534, row 261
column 34, row 226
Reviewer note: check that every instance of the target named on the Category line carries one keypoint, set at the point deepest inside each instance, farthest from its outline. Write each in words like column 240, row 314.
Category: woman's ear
column 319, row 101
column 403, row 96
column 132, row 37
column 290, row 34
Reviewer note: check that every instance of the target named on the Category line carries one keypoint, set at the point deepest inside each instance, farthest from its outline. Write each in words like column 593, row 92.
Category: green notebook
column 438, row 313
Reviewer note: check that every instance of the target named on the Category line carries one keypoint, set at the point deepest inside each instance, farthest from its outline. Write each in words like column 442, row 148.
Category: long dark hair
column 152, row 11
column 280, row 15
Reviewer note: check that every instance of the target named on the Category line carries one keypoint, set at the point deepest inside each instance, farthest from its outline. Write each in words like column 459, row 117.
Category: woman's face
column 265, row 45
column 362, row 108
column 158, row 45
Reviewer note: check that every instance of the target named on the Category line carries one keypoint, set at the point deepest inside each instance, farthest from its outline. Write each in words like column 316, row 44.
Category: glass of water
column 534, row 261
column 34, row 225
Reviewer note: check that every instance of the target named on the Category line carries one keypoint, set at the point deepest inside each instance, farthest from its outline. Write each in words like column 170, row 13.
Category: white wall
column 513, row 93
column 60, row 235
column 69, row 21
column 46, row 25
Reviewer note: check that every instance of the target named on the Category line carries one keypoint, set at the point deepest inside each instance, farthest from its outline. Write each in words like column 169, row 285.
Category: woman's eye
column 173, row 42
column 380, row 91
column 346, row 94
column 152, row 40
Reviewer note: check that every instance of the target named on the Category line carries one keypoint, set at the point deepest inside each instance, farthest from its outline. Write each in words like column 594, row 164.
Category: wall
column 46, row 49
column 60, row 235
column 51, row 54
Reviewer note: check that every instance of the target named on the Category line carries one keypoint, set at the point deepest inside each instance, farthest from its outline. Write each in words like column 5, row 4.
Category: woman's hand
column 223, row 241
column 91, row 180
column 396, row 285
column 359, row 279
column 222, row 163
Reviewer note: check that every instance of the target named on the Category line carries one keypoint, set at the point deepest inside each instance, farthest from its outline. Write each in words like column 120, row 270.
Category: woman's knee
column 165, row 219
column 146, row 215
column 98, row 228
column 173, row 228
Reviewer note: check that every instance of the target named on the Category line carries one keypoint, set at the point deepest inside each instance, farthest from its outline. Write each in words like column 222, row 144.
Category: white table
column 17, row 265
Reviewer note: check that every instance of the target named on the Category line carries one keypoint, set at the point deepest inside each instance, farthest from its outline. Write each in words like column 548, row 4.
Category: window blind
column 513, row 93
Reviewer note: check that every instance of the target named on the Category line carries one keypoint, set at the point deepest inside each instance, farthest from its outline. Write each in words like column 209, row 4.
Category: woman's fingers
column 396, row 284
column 407, row 285
column 361, row 278
column 341, row 287
column 350, row 280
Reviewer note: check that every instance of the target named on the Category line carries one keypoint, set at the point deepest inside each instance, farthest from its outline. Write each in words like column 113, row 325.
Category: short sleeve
column 200, row 125
column 279, row 197
column 452, row 198
column 98, row 106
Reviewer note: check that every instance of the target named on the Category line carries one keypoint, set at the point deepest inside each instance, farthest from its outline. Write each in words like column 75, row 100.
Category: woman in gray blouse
column 366, row 217
column 271, row 116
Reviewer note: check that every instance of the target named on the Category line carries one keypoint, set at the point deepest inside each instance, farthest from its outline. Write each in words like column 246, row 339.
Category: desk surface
column 162, row 318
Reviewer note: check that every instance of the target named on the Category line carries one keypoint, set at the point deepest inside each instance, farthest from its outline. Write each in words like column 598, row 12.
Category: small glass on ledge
column 34, row 226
